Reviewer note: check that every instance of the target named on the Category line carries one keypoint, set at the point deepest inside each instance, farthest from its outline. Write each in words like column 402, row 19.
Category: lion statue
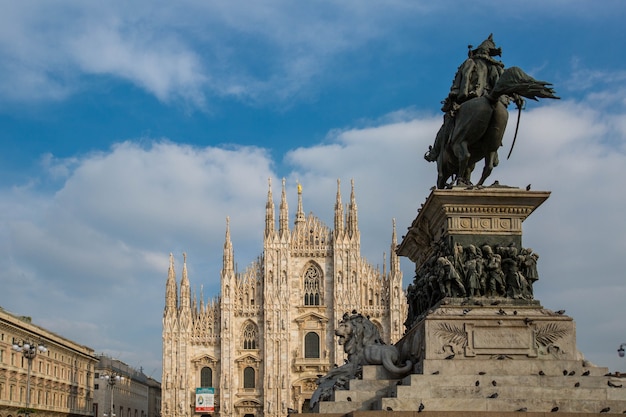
column 362, row 343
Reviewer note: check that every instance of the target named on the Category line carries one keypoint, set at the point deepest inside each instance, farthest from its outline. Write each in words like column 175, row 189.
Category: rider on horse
column 476, row 77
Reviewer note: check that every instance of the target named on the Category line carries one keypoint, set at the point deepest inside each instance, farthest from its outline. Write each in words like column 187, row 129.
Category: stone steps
column 459, row 392
column 362, row 394
column 518, row 385
column 501, row 405
column 507, row 367
column 506, row 392
column 417, row 382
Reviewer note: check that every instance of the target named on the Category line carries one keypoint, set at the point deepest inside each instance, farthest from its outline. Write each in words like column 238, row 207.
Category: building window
column 248, row 377
column 206, row 377
column 312, row 287
column 250, row 336
column 311, row 345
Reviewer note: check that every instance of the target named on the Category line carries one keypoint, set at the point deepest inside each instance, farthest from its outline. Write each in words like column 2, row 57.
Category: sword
column 519, row 114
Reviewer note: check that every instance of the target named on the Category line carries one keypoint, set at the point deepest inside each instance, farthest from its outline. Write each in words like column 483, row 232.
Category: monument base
column 484, row 357
column 479, row 342
column 501, row 355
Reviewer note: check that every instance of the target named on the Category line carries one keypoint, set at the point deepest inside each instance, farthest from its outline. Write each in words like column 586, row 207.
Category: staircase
column 586, row 390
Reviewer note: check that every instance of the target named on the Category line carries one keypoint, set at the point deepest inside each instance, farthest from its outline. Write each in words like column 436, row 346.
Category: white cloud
column 260, row 52
column 165, row 67
column 100, row 244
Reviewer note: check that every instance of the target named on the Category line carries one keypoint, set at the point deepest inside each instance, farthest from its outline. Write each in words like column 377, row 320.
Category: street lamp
column 620, row 350
column 111, row 378
column 29, row 351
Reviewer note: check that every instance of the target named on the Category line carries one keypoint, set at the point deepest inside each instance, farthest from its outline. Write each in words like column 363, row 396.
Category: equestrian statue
column 476, row 114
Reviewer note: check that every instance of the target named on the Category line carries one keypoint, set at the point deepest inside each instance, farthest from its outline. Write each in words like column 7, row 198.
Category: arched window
column 311, row 345
column 206, row 377
column 312, row 287
column 248, row 377
column 250, row 336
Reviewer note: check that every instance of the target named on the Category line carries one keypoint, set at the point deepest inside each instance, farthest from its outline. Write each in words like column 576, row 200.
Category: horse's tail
column 515, row 81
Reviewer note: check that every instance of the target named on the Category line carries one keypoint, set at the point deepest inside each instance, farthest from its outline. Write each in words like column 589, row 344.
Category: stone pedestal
column 491, row 215
column 456, row 224
column 459, row 331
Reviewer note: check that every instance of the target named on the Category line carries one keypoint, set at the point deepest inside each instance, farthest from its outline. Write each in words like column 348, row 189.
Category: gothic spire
column 338, row 211
column 353, row 222
column 228, row 261
column 194, row 303
column 269, row 211
column 201, row 298
column 384, row 264
column 171, row 288
column 394, row 261
column 185, row 291
column 284, row 213
column 300, row 213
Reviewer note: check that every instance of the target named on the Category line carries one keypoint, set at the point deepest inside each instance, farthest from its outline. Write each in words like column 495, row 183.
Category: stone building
column 60, row 374
column 268, row 336
column 133, row 395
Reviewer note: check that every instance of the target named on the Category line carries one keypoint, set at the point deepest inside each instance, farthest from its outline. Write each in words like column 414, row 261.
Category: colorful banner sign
column 205, row 400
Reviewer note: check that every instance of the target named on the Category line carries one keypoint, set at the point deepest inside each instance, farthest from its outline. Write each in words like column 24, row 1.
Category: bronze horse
column 479, row 126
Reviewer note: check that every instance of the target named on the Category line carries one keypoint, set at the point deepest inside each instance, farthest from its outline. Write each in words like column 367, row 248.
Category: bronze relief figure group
column 472, row 271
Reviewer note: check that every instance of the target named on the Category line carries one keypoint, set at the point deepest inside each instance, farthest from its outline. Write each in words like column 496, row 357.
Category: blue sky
column 130, row 131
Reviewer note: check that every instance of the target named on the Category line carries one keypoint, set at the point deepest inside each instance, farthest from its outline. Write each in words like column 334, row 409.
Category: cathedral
column 263, row 342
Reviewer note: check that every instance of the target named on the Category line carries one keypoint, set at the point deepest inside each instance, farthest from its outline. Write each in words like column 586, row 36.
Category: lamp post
column 620, row 350
column 29, row 351
column 111, row 378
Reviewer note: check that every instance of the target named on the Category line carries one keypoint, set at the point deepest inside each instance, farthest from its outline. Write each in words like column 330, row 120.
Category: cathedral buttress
column 184, row 341
column 170, row 337
column 228, row 287
column 275, row 320
column 397, row 300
